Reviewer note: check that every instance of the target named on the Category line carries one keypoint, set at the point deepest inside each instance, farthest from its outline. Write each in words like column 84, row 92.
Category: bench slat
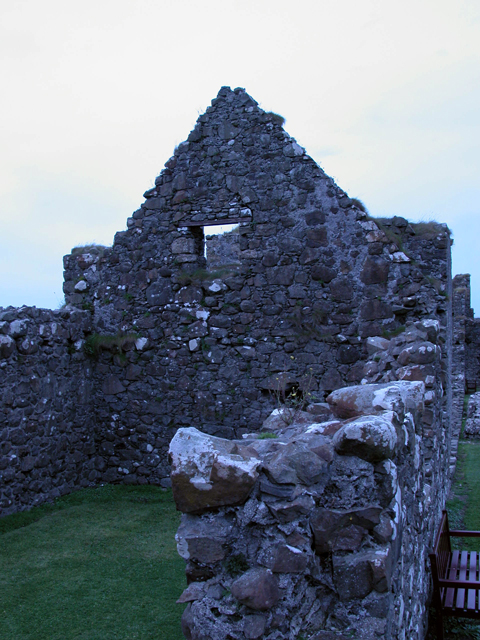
column 462, row 576
column 452, row 575
column 472, row 577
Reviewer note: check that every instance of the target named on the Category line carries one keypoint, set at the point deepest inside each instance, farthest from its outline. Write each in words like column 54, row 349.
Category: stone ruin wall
column 315, row 278
column 321, row 528
column 471, row 334
column 47, row 441
column 466, row 357
column 154, row 338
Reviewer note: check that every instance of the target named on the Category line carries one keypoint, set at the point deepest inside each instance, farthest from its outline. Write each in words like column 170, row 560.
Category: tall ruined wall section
column 472, row 336
column 316, row 277
column 466, row 350
column 469, row 332
column 46, row 431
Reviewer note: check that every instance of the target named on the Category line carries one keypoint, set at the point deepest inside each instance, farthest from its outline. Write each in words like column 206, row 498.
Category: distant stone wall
column 321, row 527
column 472, row 424
column 466, row 351
column 46, row 427
column 472, row 366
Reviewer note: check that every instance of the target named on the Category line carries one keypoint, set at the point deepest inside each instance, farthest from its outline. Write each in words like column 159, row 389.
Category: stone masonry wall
column 467, row 340
column 472, row 338
column 46, row 429
column 319, row 526
column 315, row 278
column 320, row 520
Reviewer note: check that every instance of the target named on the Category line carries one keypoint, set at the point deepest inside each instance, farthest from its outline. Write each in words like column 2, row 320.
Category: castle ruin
column 170, row 332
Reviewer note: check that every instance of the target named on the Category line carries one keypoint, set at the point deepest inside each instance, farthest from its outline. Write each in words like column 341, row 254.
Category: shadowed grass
column 470, row 452
column 100, row 564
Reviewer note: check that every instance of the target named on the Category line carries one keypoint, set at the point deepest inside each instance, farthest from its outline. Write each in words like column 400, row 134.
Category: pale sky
column 383, row 94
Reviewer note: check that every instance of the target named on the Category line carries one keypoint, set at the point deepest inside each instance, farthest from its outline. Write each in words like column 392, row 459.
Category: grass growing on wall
column 100, row 564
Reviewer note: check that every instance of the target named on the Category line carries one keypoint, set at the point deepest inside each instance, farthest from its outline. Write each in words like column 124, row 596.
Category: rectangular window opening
column 222, row 248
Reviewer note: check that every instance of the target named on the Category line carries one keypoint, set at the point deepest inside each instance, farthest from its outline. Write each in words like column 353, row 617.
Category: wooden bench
column 456, row 580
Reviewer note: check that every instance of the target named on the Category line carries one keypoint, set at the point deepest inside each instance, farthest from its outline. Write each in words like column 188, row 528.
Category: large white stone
column 397, row 396
column 210, row 472
column 18, row 328
column 81, row 286
column 377, row 344
column 372, row 438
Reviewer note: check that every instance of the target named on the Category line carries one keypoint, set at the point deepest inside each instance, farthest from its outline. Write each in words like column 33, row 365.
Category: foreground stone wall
column 319, row 526
column 46, row 427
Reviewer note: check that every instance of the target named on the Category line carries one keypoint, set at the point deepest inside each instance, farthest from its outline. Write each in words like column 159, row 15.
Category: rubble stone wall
column 319, row 526
column 46, row 426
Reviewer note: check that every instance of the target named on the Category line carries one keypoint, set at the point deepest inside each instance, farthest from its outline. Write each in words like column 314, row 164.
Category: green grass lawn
column 99, row 564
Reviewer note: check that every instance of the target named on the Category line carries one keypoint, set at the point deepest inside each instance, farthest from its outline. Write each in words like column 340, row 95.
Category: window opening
column 221, row 248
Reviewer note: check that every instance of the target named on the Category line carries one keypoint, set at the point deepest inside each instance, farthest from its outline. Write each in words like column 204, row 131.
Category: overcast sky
column 383, row 94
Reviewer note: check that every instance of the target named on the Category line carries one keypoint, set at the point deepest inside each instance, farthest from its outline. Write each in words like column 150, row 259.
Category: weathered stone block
column 112, row 385
column 375, row 270
column 287, row 559
column 281, row 275
column 203, row 540
column 423, row 353
column 254, row 626
column 159, row 293
column 341, row 289
column 375, row 310
column 376, row 344
column 352, row 576
column 371, row 438
column 210, row 472
column 292, row 510
column 296, row 463
column 257, row 589
column 336, row 530
column 7, row 346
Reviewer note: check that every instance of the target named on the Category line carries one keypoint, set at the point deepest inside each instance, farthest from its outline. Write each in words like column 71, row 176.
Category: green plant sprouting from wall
column 292, row 397
column 359, row 204
column 93, row 249
column 115, row 343
column 428, row 229
column 276, row 118
column 308, row 327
